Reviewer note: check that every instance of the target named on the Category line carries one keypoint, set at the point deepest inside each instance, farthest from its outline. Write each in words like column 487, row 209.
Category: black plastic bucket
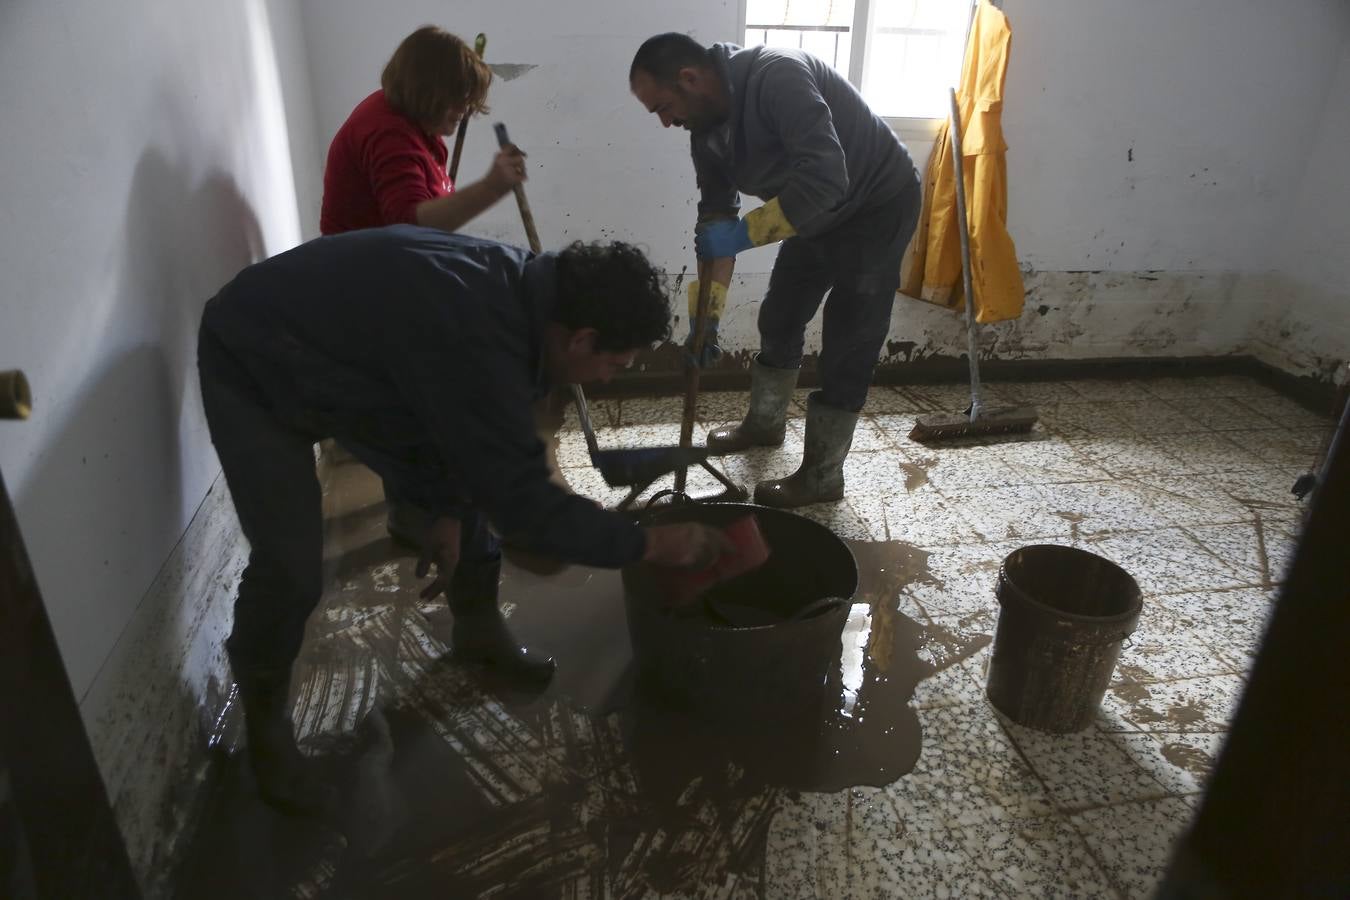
column 1064, row 613
column 699, row 662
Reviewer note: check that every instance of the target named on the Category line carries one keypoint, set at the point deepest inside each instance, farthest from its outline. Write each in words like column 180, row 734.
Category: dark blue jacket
column 423, row 351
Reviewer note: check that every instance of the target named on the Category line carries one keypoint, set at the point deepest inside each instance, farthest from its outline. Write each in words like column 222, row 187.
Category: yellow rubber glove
column 722, row 238
column 717, row 301
column 717, row 304
column 768, row 224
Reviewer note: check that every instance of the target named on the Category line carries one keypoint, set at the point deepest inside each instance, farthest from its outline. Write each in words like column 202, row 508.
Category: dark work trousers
column 858, row 263
column 478, row 545
column 269, row 468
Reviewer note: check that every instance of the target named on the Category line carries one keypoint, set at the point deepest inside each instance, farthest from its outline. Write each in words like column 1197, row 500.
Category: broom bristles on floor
column 1013, row 420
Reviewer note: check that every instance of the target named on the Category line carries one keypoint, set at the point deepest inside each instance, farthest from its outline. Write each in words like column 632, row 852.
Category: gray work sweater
column 800, row 132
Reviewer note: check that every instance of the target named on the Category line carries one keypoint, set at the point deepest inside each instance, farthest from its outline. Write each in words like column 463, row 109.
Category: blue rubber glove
column 723, row 238
column 711, row 351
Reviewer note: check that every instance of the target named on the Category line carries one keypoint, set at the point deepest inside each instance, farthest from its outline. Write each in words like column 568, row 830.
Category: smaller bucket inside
column 1072, row 583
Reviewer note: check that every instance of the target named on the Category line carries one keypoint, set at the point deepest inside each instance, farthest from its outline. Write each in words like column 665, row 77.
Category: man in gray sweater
column 841, row 193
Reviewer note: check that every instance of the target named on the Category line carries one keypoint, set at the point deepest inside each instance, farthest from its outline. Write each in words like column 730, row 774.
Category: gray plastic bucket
column 1063, row 615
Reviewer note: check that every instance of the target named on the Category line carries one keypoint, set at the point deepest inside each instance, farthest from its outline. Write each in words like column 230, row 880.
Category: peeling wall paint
column 1069, row 315
column 165, row 682
column 1301, row 326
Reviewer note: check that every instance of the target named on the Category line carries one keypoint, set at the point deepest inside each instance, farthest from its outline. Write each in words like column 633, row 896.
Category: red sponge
column 750, row 552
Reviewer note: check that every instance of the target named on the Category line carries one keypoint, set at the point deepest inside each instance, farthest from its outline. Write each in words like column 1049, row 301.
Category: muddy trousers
column 269, row 468
column 858, row 264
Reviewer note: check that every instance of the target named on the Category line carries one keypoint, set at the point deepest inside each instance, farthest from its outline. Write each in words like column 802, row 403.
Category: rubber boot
column 481, row 635
column 286, row 779
column 820, row 478
column 765, row 424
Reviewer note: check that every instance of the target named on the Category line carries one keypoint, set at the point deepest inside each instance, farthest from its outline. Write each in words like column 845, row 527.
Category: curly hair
column 614, row 289
column 433, row 71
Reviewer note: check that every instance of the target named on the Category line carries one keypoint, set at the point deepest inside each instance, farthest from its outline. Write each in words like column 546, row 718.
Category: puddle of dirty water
column 452, row 785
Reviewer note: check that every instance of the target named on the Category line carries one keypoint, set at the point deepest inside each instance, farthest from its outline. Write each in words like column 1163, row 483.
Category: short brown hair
column 433, row 71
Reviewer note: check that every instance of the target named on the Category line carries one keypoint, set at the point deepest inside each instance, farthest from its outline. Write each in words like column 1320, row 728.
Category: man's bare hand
column 686, row 546
column 441, row 548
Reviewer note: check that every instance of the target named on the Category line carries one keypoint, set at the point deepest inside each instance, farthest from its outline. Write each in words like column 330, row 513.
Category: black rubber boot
column 765, row 424
column 286, row 779
column 820, row 478
column 481, row 635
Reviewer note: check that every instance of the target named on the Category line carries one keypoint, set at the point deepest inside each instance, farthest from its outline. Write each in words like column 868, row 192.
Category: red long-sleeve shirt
column 381, row 165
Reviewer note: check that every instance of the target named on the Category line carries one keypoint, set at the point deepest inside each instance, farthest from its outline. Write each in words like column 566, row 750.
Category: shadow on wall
column 130, row 463
column 119, row 483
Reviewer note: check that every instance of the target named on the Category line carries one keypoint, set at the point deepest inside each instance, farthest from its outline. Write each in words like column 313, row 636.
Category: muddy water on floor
column 454, row 785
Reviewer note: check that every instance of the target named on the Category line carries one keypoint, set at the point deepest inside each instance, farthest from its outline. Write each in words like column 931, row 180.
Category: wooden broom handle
column 479, row 45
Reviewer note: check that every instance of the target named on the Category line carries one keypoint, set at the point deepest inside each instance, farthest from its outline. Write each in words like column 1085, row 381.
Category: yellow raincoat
column 933, row 272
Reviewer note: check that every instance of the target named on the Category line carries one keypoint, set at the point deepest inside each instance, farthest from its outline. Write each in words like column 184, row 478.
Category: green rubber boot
column 765, row 424
column 820, row 479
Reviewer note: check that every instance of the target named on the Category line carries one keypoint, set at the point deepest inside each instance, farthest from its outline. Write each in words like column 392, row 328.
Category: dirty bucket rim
column 836, row 606
column 845, row 604
column 1122, row 618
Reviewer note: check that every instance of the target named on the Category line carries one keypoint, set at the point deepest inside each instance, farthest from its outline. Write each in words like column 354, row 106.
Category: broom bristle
column 1014, row 420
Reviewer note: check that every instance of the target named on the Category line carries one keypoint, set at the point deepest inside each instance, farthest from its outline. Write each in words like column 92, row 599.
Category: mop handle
column 691, row 371
column 972, row 344
column 526, row 217
column 479, row 45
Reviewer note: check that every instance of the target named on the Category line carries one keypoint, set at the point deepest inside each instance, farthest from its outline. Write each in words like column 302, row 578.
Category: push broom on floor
column 977, row 421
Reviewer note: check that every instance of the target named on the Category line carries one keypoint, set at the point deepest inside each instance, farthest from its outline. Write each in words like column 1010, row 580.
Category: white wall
column 1209, row 97
column 1304, row 324
column 307, row 152
column 600, row 164
column 145, row 161
column 1147, row 137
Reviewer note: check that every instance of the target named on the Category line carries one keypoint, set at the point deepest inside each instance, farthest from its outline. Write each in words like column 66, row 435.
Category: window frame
column 913, row 128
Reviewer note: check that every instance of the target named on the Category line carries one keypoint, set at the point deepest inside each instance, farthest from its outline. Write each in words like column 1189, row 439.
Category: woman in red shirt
column 387, row 163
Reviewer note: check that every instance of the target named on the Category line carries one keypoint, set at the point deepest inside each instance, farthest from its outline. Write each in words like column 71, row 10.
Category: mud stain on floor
column 1131, row 691
column 1192, row 759
column 1074, row 519
column 453, row 785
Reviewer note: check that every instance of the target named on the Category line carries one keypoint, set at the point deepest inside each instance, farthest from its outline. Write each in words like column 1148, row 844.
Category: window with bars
column 902, row 54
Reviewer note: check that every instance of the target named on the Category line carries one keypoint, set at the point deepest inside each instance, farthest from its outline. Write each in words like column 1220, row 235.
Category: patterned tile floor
column 1185, row 482
column 450, row 787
